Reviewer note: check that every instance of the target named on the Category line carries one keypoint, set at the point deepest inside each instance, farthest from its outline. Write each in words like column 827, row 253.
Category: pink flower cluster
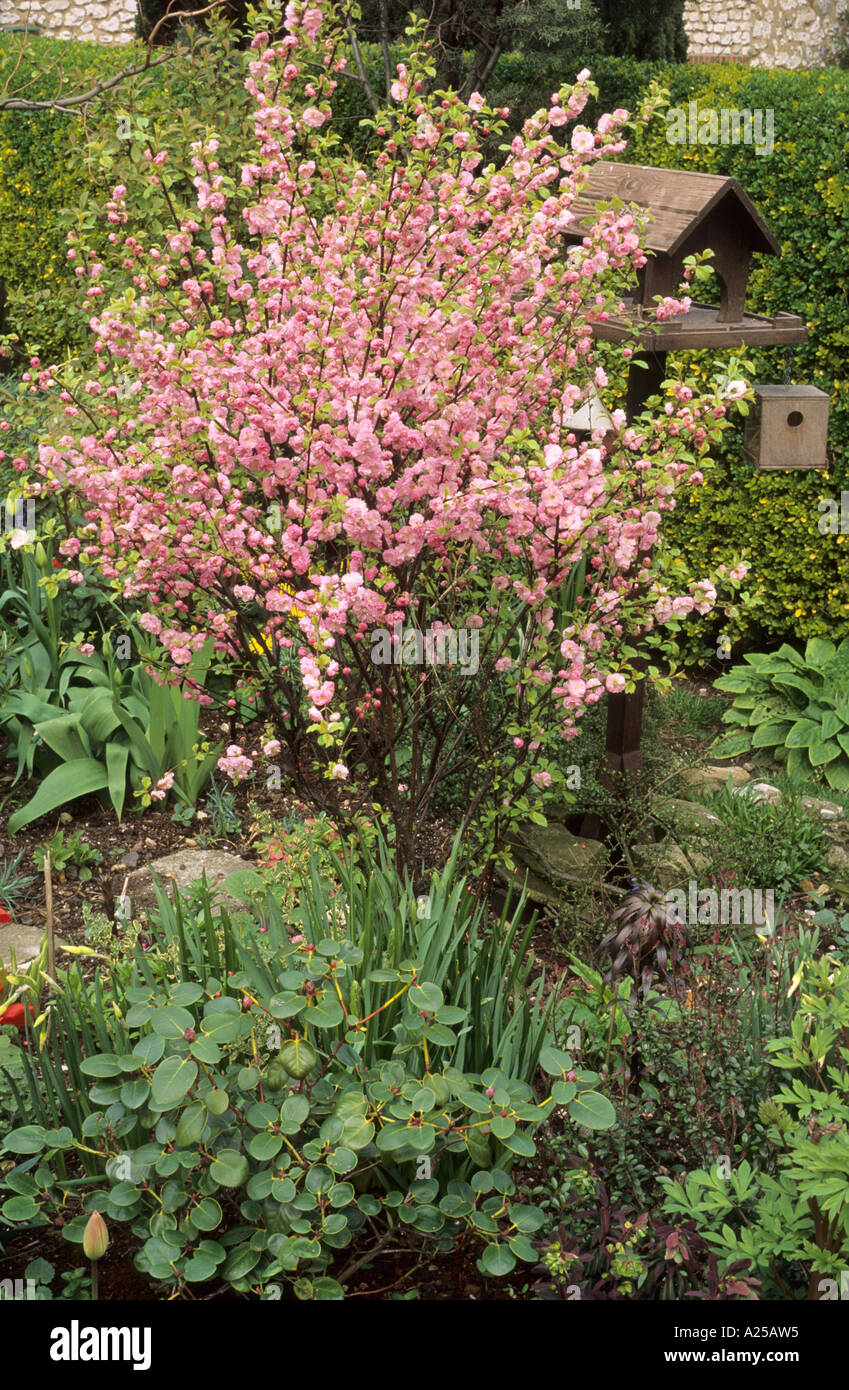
column 163, row 786
column 234, row 763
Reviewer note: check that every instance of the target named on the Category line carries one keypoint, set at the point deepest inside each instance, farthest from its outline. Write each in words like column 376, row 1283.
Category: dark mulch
column 395, row 1271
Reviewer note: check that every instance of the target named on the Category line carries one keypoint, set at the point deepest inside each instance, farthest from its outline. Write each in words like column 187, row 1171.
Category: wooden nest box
column 688, row 213
column 788, row 428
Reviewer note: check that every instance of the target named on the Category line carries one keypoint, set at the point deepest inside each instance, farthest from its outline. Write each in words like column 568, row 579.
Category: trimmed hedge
column 57, row 169
column 37, row 181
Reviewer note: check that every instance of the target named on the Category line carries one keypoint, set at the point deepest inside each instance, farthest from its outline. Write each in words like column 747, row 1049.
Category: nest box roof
column 676, row 200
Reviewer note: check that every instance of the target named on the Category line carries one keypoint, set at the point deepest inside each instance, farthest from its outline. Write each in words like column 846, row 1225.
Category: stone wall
column 767, row 33
column 109, row 21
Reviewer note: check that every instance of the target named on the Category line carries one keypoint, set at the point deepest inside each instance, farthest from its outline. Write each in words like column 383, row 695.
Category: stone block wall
column 767, row 33
column 104, row 21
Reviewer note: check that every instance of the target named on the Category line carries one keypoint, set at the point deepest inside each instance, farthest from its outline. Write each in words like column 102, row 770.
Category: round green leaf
column 172, row 1079
column 206, row 1215
column 135, row 1093
column 240, row 1262
column 29, row 1139
column 496, row 1260
column 216, row 1101
column 592, row 1110
column 265, row 1146
column 230, row 1168
column 20, row 1209
column 191, row 1124
column 172, row 1021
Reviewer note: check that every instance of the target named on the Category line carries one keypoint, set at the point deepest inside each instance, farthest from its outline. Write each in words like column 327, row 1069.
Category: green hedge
column 57, row 169
column 37, row 181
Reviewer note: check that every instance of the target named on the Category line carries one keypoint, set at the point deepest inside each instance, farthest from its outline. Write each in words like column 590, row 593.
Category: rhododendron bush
column 329, row 419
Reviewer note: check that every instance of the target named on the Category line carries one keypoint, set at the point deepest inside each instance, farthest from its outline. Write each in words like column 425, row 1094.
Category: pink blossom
column 311, row 21
column 582, row 140
column 234, row 764
column 704, row 596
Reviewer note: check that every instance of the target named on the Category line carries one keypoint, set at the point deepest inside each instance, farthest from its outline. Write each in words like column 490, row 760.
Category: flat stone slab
column 690, row 814
column 23, row 940
column 837, row 858
column 184, row 868
column 550, row 857
column 668, row 866
column 538, row 892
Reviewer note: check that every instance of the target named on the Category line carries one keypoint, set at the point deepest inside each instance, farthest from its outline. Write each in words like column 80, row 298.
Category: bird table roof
column 676, row 199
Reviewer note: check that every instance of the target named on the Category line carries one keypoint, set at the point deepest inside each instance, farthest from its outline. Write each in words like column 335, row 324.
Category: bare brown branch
column 72, row 102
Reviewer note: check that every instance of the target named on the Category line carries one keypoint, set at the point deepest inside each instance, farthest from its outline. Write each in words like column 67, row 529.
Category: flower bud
column 95, row 1237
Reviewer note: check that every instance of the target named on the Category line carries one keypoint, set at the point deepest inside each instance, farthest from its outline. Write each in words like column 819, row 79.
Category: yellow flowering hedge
column 38, row 183
column 800, row 576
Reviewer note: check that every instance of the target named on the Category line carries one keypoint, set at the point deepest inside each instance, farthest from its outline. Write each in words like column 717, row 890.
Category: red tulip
column 13, row 1016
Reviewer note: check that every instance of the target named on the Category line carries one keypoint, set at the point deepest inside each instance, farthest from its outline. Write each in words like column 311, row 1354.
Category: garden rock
column 24, row 940
column 714, row 778
column 552, row 857
column 759, row 791
column 829, row 810
column 837, row 858
column 185, row 868
column 690, row 815
column 667, row 865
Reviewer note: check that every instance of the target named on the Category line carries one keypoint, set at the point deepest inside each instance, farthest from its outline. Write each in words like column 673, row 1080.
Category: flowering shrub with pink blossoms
column 333, row 406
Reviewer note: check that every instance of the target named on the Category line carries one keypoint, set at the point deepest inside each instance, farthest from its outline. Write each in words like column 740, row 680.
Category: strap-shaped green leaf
column 64, row 784
column 116, row 768
column 64, row 735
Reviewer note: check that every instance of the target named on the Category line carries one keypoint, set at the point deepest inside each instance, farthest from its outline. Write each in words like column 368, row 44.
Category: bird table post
column 687, row 214
column 625, row 711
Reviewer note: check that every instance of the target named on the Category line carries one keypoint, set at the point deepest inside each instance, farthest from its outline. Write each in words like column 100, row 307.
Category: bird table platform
column 686, row 213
